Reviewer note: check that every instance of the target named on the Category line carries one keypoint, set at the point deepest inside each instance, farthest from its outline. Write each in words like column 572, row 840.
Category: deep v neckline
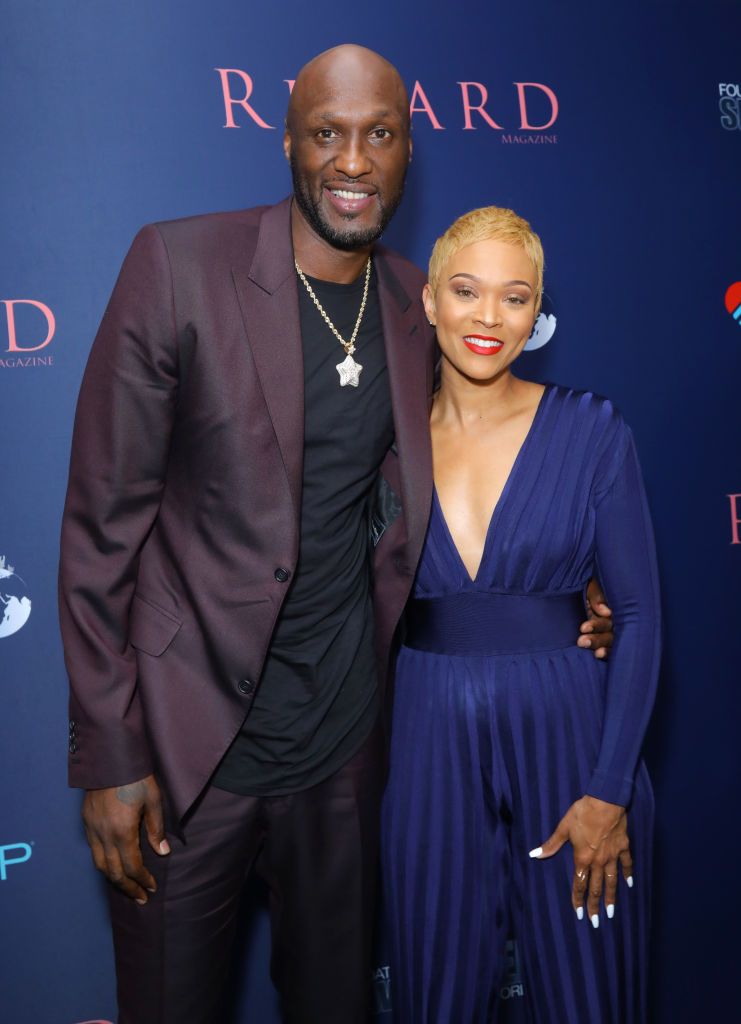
column 496, row 511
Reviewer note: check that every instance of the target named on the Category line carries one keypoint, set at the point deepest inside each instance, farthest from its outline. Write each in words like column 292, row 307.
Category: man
column 254, row 410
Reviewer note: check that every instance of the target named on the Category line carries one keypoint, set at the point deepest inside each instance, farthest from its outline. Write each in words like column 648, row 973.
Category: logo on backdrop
column 735, row 500
column 382, row 990
column 523, row 114
column 733, row 301
column 544, row 327
column 512, row 987
column 15, row 604
column 729, row 105
column 30, row 327
column 13, row 853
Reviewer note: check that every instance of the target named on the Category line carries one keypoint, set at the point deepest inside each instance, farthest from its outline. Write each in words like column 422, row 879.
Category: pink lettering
column 524, row 123
column 735, row 518
column 290, row 82
column 470, row 108
column 418, row 93
column 13, row 345
column 230, row 101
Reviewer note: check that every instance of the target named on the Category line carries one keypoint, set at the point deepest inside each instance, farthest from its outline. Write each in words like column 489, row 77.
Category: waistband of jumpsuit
column 481, row 624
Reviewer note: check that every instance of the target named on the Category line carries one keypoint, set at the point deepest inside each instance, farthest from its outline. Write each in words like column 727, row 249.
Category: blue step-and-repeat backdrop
column 614, row 128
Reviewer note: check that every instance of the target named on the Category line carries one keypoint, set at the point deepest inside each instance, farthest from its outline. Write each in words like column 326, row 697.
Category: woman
column 505, row 734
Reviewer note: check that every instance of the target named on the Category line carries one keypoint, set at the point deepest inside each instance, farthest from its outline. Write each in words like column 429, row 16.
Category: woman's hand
column 598, row 831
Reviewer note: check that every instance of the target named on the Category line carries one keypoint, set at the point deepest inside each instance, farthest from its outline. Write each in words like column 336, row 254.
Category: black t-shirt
column 317, row 699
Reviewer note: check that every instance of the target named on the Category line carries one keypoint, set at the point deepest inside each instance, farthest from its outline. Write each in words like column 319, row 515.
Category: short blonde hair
column 487, row 222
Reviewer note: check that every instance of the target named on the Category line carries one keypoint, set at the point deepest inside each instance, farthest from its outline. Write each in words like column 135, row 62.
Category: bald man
column 216, row 561
column 251, row 445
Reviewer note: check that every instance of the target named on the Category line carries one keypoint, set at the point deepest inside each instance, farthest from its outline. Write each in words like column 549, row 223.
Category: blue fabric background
column 112, row 115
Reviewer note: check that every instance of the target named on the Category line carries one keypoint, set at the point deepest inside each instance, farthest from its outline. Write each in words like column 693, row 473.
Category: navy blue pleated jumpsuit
column 501, row 722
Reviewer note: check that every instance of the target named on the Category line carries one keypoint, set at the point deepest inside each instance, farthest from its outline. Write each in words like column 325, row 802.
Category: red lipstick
column 483, row 344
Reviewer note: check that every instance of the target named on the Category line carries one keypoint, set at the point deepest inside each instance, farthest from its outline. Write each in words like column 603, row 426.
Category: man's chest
column 347, row 429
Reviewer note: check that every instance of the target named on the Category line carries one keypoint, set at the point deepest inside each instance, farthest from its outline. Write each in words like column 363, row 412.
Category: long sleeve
column 120, row 447
column 626, row 566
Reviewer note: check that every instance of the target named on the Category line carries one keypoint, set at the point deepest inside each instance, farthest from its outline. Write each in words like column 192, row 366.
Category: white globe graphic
column 543, row 331
column 15, row 604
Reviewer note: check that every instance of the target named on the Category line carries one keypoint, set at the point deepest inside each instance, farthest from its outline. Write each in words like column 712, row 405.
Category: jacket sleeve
column 626, row 565
column 120, row 445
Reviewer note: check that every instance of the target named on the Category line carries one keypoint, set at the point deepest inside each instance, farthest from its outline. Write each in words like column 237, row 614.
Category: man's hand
column 112, row 820
column 596, row 632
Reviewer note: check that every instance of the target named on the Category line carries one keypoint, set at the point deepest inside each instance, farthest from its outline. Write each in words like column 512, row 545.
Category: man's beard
column 347, row 239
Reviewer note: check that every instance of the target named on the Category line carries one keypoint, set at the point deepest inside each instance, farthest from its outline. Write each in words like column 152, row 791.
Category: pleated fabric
column 488, row 752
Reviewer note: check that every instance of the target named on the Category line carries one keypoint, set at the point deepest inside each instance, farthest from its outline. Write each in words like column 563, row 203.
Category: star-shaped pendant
column 349, row 372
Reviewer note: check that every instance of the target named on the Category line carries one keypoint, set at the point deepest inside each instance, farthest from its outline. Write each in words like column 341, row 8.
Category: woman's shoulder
column 593, row 430
column 586, row 410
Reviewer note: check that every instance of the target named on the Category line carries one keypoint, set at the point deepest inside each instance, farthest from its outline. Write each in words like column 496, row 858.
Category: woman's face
column 484, row 308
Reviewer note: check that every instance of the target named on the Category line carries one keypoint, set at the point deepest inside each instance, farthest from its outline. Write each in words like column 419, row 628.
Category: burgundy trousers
column 317, row 852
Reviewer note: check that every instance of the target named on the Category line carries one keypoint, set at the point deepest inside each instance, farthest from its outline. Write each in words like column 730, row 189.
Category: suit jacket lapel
column 406, row 358
column 268, row 299
column 269, row 302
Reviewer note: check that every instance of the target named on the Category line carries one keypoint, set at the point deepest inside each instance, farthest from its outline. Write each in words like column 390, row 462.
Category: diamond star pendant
column 349, row 372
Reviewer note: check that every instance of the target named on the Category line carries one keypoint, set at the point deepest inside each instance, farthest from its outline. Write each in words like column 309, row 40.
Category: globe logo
column 15, row 604
column 544, row 327
column 542, row 332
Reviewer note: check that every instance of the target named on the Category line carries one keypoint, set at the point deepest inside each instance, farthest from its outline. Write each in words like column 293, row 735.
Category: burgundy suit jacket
column 185, row 492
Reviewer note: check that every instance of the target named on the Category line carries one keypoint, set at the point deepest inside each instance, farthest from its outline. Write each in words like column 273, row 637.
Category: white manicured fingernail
column 629, row 880
column 611, row 910
column 595, row 920
column 580, row 913
column 537, row 852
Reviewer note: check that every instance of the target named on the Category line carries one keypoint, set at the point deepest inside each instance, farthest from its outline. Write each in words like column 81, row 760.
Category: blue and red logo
column 733, row 301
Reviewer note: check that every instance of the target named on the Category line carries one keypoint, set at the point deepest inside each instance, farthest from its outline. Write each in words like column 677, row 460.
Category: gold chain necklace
column 348, row 369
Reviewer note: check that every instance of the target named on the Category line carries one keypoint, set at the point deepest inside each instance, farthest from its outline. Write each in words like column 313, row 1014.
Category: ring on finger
column 581, row 875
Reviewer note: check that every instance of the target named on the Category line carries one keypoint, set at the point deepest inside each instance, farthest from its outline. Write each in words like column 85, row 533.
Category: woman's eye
column 517, row 300
column 464, row 292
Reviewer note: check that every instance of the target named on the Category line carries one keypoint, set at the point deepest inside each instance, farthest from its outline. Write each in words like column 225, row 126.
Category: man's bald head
column 347, row 68
column 347, row 140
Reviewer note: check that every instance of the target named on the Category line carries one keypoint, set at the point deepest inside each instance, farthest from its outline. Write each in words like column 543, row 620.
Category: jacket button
column 246, row 686
column 72, row 747
column 282, row 575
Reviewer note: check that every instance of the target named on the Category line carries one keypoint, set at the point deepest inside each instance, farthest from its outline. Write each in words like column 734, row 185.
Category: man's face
column 348, row 145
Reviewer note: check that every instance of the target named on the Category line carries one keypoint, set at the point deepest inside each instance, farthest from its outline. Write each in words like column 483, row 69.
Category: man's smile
column 350, row 200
